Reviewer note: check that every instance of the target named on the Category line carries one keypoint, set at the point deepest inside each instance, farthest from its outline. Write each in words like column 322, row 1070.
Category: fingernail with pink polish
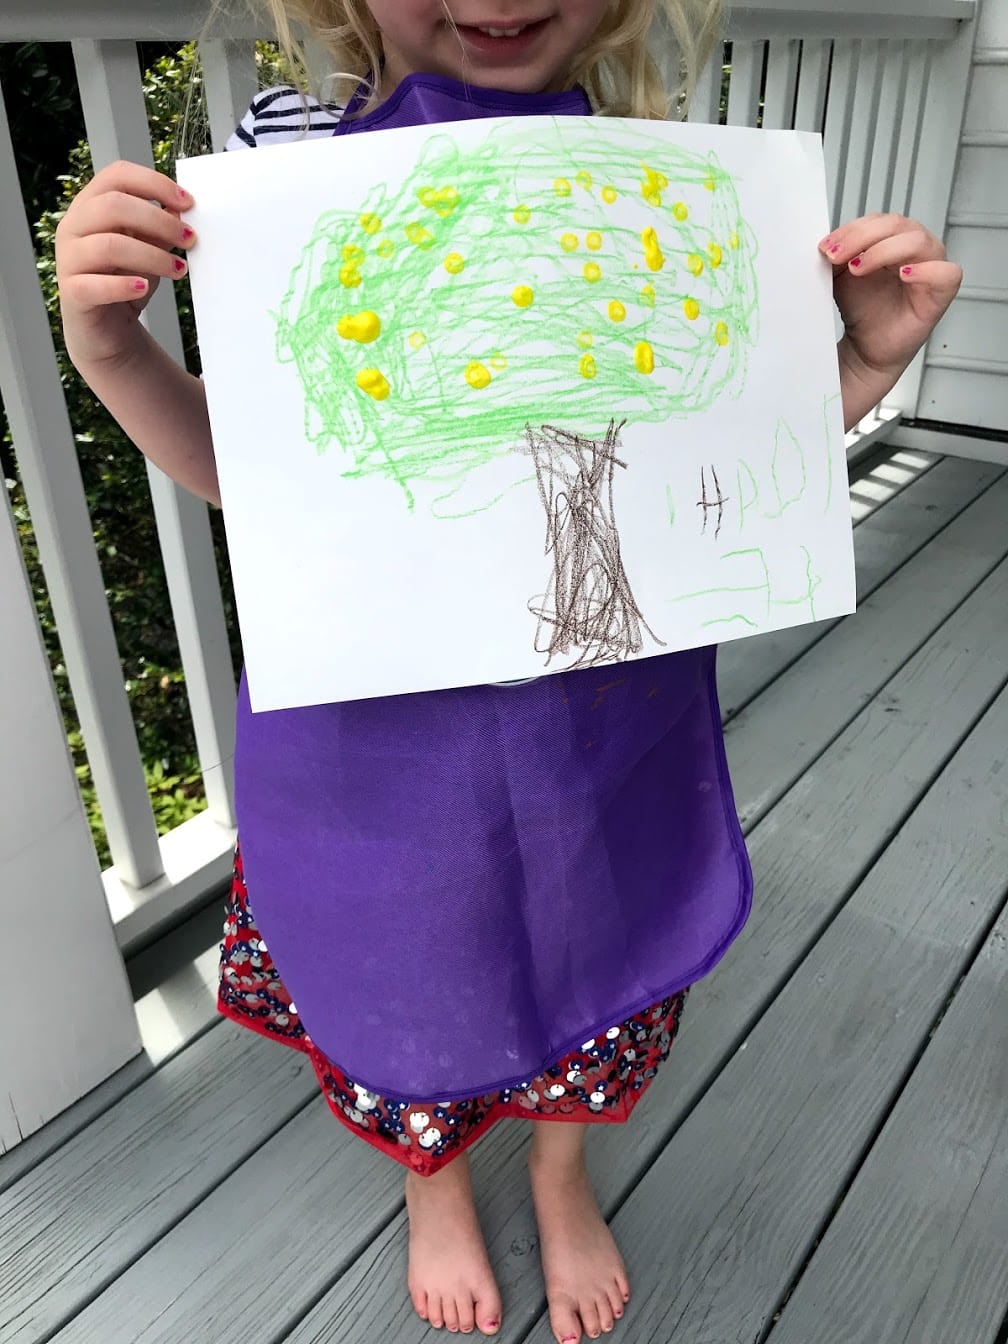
column 907, row 270
column 187, row 232
column 140, row 286
column 179, row 264
column 856, row 262
column 834, row 249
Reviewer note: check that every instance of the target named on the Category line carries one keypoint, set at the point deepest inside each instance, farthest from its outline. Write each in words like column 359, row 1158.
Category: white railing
column 885, row 84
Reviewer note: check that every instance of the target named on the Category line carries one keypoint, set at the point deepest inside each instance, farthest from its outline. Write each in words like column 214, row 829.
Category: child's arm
column 893, row 283
column 112, row 247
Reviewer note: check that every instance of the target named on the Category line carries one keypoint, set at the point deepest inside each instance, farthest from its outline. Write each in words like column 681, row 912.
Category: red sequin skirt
column 602, row 1081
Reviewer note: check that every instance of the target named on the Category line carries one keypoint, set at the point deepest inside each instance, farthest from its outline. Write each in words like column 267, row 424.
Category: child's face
column 449, row 37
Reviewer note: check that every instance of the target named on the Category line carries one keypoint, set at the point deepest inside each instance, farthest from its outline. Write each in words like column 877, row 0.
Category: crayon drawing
column 543, row 390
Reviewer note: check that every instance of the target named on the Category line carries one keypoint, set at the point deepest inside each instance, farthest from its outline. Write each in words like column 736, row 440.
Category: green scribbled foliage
column 494, row 288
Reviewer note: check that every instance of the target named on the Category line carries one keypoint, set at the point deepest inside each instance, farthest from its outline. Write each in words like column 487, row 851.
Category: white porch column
column 69, row 1021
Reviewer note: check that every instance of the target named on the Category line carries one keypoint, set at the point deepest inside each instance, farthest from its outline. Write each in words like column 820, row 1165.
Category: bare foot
column 586, row 1280
column 450, row 1279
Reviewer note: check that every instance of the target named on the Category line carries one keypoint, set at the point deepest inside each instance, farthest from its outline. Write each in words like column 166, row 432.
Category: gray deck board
column 866, row 762
column 116, row 1187
column 918, row 1253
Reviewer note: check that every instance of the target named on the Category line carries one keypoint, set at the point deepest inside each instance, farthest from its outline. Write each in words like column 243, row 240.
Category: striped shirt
column 280, row 114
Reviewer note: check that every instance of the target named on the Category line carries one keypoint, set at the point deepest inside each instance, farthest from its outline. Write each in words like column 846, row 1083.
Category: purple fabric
column 428, row 100
column 458, row 887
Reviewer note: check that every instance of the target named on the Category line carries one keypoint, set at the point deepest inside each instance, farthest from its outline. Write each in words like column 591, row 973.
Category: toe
column 590, row 1319
column 487, row 1311
column 565, row 1322
column 435, row 1312
column 465, row 1315
column 616, row 1303
column 605, row 1313
column 419, row 1297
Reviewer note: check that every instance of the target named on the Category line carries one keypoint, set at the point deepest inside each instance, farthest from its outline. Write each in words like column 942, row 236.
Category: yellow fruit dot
column 569, row 242
column 417, row 340
column 681, row 211
column 648, row 295
column 609, row 194
column 522, row 214
column 643, row 357
column 587, row 367
column 586, row 340
column 442, row 201
column 522, row 296
column 721, row 333
column 498, row 362
column 478, row 375
column 694, row 263
column 374, row 383
column 418, row 235
column 592, row 272
column 709, row 182
column 653, row 186
column 692, row 309
column 562, row 187
column 363, row 327
column 715, row 254
column 350, row 276
column 652, row 251
column 584, row 179
column 386, row 248
column 617, row 313
column 353, row 254
column 594, row 241
column 733, row 241
column 370, row 223
column 454, row 264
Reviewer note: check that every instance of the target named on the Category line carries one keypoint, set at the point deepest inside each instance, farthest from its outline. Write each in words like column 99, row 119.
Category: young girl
column 489, row 901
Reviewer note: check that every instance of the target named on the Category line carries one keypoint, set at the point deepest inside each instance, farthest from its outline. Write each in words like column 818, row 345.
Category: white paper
column 402, row 332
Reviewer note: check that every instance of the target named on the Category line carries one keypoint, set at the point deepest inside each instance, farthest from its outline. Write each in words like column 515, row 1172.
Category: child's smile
column 511, row 45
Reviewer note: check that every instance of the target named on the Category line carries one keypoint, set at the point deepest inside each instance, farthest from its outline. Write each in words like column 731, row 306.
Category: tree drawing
column 533, row 292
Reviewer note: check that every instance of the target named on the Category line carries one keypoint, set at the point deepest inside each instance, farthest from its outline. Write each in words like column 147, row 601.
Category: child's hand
column 112, row 246
column 892, row 282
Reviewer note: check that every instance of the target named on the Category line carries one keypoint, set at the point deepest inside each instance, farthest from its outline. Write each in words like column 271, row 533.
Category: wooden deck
column 825, row 1157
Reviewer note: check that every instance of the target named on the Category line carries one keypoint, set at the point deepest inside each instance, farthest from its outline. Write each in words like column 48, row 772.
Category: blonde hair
column 617, row 68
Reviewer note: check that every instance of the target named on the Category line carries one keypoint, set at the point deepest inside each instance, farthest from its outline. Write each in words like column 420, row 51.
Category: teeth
column 502, row 32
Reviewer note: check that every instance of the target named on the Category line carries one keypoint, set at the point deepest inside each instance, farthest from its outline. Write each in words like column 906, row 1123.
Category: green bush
column 115, row 481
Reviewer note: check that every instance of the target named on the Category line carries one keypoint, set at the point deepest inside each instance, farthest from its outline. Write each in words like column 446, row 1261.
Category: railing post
column 59, row 946
column 114, row 113
column 43, row 441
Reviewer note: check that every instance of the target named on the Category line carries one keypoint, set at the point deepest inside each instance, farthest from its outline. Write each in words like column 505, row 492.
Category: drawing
column 588, row 605
column 788, row 478
column 716, row 504
column 508, row 296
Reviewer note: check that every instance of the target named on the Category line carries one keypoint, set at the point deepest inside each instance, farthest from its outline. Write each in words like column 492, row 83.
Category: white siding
column 966, row 373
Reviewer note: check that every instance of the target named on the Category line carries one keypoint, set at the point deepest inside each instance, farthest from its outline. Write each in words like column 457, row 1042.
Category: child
column 488, row 901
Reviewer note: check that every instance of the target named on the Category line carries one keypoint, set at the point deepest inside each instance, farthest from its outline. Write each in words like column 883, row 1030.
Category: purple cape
column 461, row 886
